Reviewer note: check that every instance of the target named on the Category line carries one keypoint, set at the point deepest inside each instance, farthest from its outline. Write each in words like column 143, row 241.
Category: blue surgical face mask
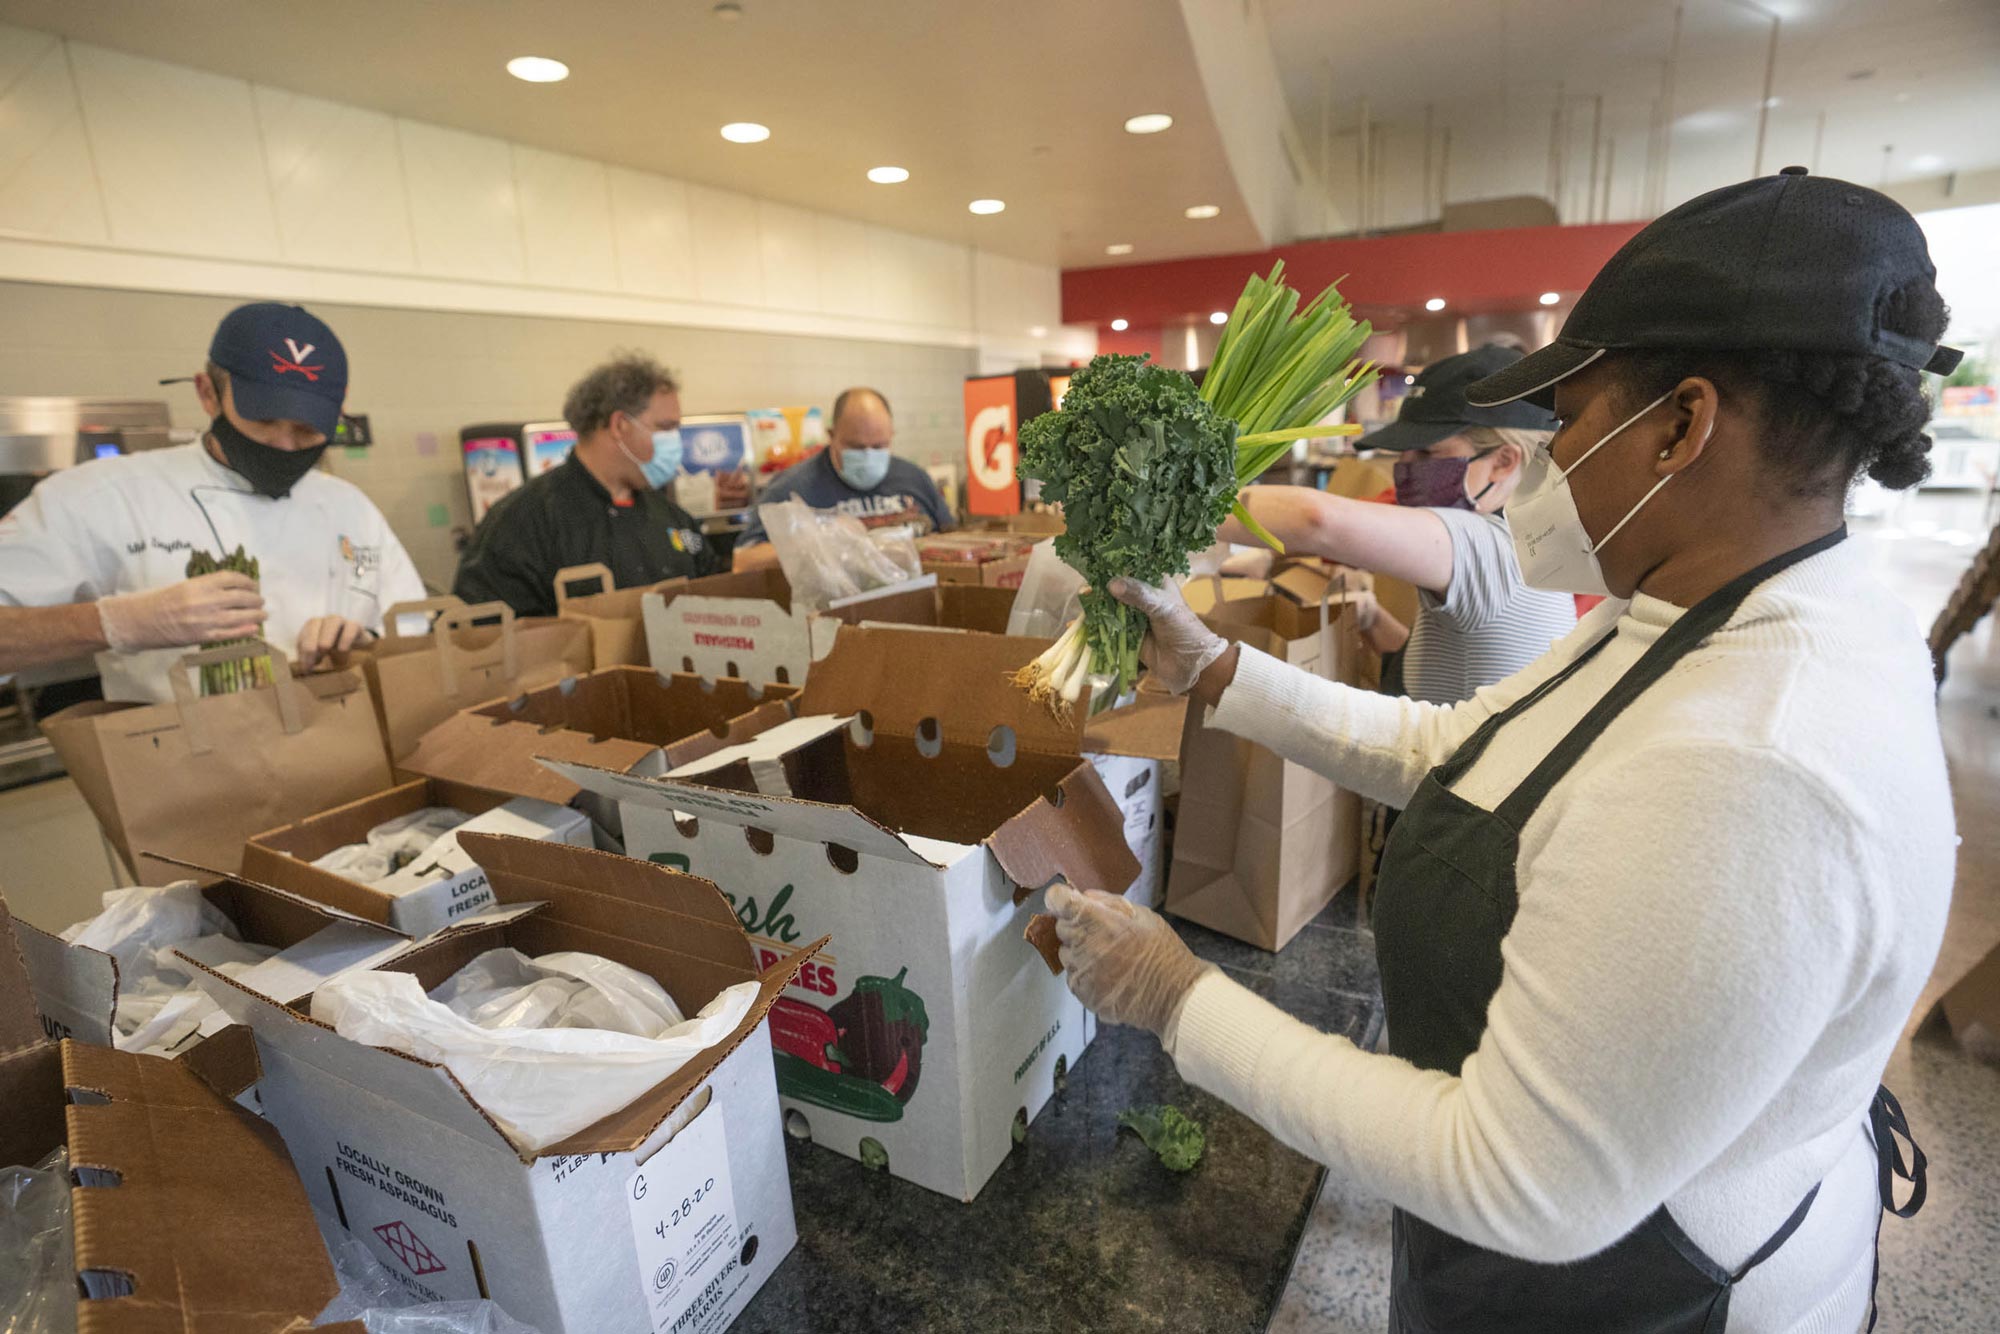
column 665, row 465
column 863, row 469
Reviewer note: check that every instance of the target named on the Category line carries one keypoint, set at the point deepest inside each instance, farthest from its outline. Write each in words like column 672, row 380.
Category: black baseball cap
column 1435, row 408
column 283, row 363
column 1791, row 261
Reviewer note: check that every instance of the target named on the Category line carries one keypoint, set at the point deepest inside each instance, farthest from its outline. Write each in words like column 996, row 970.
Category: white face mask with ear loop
column 1554, row 548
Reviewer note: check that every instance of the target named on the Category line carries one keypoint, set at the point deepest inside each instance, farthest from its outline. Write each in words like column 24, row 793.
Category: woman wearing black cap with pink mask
column 1660, row 904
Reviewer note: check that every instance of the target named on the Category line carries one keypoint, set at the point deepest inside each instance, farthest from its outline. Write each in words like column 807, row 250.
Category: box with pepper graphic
column 927, row 1033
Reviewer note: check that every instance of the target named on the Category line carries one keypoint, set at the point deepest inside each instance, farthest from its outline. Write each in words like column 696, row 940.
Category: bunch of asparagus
column 226, row 678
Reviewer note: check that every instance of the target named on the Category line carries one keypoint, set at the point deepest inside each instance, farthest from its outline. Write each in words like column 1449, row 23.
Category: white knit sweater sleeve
column 1686, row 930
column 1378, row 745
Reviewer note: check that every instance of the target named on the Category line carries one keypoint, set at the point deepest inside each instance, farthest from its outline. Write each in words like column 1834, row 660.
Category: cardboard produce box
column 744, row 625
column 992, row 560
column 76, row 987
column 918, row 834
column 620, row 718
column 420, row 680
column 614, row 616
column 667, row 1214
column 1262, row 844
column 430, row 893
column 197, row 777
column 186, row 1213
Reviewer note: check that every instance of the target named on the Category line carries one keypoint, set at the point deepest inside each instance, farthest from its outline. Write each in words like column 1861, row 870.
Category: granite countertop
column 1082, row 1228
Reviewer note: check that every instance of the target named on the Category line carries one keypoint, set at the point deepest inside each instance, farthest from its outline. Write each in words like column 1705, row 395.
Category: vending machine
column 500, row 456
column 995, row 407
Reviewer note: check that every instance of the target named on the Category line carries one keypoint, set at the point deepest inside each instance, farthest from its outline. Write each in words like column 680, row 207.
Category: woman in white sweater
column 1659, row 904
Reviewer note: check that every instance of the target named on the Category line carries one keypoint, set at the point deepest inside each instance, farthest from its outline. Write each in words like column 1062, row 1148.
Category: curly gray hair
column 626, row 384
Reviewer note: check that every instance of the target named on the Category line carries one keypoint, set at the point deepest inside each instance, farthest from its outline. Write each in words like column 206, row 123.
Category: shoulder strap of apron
column 1474, row 746
column 1681, row 638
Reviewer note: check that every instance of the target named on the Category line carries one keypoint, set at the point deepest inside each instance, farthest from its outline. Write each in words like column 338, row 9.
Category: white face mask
column 1554, row 548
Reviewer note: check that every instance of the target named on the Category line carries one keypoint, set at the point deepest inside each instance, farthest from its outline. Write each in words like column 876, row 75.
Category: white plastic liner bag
column 159, row 1005
column 392, row 845
column 546, row 1046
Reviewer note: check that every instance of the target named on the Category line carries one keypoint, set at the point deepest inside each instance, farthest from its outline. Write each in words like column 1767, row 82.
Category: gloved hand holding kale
column 1146, row 467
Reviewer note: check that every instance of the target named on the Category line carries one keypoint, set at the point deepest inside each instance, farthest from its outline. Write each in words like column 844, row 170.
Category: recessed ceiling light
column 1121, row 248
column 987, row 205
column 1150, row 123
column 1120, row 326
column 746, row 132
column 1409, row 379
column 537, row 69
column 1550, row 298
column 1218, row 317
column 1201, row 211
column 1774, row 101
column 1435, row 303
column 1038, row 331
column 1927, row 162
column 888, row 175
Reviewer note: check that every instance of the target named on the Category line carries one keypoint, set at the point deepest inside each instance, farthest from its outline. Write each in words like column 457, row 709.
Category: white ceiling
column 1016, row 101
column 1025, row 100
column 1490, row 69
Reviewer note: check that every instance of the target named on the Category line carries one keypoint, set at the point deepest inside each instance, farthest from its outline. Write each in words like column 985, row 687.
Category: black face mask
column 270, row 472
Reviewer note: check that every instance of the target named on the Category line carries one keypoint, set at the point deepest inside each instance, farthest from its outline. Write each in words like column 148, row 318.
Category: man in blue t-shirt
column 855, row 474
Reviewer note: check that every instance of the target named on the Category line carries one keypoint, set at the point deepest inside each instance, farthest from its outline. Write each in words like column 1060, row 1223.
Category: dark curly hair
column 1826, row 417
column 626, row 384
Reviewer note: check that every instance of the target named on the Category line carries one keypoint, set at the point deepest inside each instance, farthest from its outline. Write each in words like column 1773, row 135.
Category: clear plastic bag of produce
column 1050, row 596
column 539, row 1083
column 37, row 1273
column 370, row 1294
column 828, row 556
column 159, row 1005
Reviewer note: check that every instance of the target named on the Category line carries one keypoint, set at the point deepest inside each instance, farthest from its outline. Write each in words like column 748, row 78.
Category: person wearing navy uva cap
column 94, row 561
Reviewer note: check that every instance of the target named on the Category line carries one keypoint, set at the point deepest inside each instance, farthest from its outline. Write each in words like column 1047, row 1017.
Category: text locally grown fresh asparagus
column 1146, row 466
column 225, row 678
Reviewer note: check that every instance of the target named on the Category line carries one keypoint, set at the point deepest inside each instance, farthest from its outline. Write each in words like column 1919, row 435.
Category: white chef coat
column 123, row 525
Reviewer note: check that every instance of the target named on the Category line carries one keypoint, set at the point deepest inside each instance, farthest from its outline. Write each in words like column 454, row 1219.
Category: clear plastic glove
column 323, row 635
column 213, row 607
column 1123, row 962
column 1180, row 647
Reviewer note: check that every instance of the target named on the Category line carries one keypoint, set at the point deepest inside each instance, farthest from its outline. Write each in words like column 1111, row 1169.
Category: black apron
column 1446, row 902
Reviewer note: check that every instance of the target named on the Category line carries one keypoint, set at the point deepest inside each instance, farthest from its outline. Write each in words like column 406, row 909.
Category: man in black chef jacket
column 611, row 501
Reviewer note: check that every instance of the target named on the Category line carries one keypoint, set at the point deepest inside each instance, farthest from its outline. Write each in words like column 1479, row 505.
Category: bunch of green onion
column 1278, row 371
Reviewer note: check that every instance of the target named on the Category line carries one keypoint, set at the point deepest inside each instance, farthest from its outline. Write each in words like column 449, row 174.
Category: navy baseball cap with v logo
column 283, row 363
column 1790, row 262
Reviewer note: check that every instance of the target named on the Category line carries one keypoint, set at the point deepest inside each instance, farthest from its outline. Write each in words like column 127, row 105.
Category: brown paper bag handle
column 449, row 653
column 576, row 574
column 282, row 684
column 438, row 604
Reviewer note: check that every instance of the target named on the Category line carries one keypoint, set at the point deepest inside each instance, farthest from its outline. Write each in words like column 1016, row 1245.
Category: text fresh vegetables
column 1169, row 1132
column 225, row 678
column 1146, row 466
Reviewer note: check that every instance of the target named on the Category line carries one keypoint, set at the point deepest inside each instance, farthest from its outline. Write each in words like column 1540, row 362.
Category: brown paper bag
column 421, row 680
column 1261, row 845
column 197, row 777
column 615, row 617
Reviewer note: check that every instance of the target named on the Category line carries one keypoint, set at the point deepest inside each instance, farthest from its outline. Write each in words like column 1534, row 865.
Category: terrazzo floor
column 1940, row 1270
